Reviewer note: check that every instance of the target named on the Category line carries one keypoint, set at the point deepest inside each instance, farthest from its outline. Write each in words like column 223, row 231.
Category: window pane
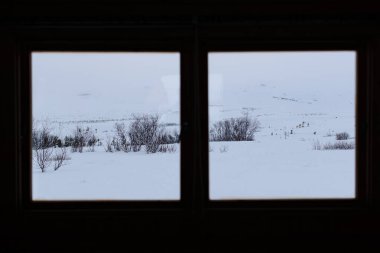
column 105, row 126
column 282, row 125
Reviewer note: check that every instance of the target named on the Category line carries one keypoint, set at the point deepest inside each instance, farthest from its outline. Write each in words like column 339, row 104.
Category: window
column 105, row 126
column 204, row 200
column 282, row 125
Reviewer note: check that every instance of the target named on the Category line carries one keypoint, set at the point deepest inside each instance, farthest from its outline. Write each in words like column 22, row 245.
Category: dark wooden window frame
column 194, row 219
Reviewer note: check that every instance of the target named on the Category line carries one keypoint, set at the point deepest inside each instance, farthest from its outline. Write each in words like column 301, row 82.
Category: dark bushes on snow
column 120, row 142
column 339, row 145
column 42, row 138
column 47, row 147
column 144, row 130
column 342, row 136
column 168, row 138
column 333, row 146
column 83, row 137
column 235, row 129
column 167, row 148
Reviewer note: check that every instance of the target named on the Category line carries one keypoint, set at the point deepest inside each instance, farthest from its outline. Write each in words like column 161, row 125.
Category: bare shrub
column 78, row 140
column 145, row 130
column 43, row 157
column 152, row 146
column 167, row 148
column 121, row 138
column 154, row 140
column 82, row 137
column 339, row 145
column 68, row 141
column 137, row 133
column 59, row 157
column 108, row 146
column 169, row 138
column 177, row 136
column 91, row 148
column 172, row 148
column 42, row 143
column 235, row 129
column 342, row 136
column 115, row 144
column 42, row 137
column 91, row 143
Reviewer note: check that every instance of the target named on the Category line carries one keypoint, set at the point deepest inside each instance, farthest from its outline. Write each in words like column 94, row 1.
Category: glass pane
column 282, row 125
column 105, row 126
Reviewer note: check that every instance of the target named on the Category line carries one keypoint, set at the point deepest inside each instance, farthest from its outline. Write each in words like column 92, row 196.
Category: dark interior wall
column 195, row 26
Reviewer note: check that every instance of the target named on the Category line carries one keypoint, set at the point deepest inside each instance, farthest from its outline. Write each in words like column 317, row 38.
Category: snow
column 319, row 92
column 280, row 169
column 101, row 175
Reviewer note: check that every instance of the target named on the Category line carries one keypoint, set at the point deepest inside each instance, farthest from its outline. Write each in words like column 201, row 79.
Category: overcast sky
column 118, row 84
column 324, row 81
column 104, row 84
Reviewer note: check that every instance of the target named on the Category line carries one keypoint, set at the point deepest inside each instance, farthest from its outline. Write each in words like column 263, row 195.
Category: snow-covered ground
column 101, row 175
column 272, row 166
column 277, row 168
column 296, row 107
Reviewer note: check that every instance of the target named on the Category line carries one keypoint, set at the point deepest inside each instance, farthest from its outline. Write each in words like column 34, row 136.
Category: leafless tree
column 43, row 157
column 59, row 157
column 42, row 143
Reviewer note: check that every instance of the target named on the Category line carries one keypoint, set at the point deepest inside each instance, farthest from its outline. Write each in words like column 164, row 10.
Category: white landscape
column 301, row 101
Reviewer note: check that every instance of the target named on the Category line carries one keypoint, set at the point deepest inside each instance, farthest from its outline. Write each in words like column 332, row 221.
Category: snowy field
column 294, row 112
column 280, row 168
column 111, row 176
column 272, row 166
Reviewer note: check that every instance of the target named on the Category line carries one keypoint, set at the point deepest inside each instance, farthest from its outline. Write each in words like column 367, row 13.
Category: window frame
column 153, row 45
column 196, row 224
column 203, row 41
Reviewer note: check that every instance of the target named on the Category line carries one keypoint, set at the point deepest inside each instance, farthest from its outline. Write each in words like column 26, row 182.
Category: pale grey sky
column 117, row 84
column 324, row 81
column 104, row 84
